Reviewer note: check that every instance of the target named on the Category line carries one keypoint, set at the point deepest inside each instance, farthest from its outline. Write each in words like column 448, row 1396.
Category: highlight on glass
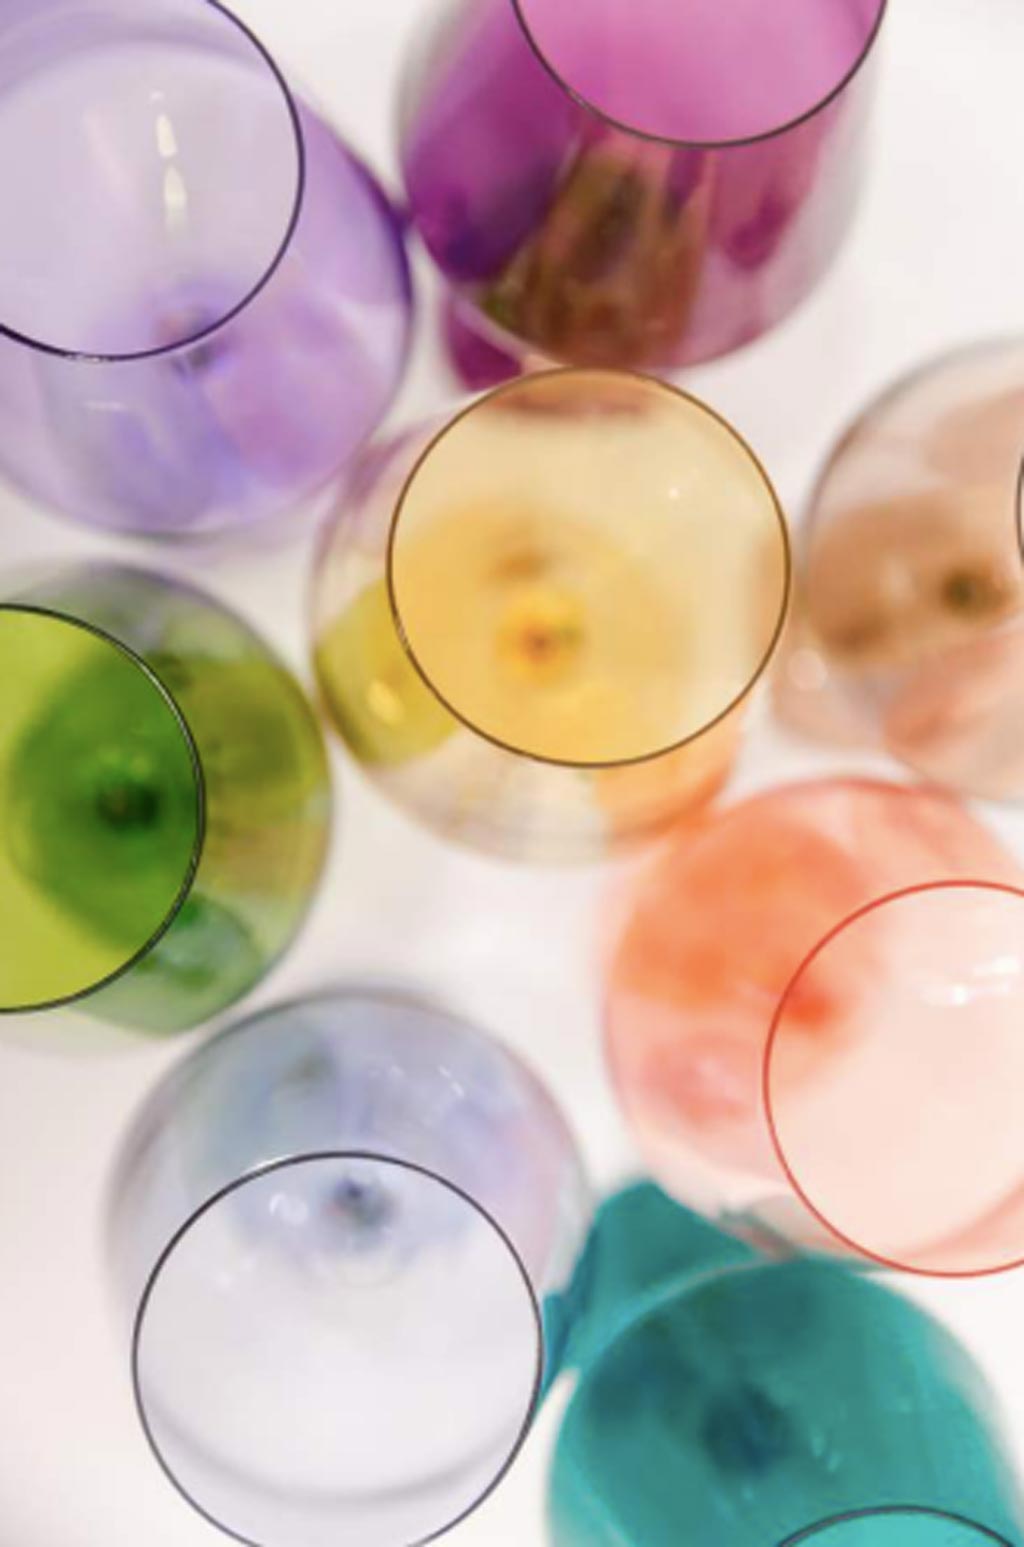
column 909, row 631
column 636, row 182
column 896, row 1109
column 751, row 1404
column 895, row 1525
column 205, row 300
column 164, row 803
column 710, row 938
column 537, row 626
column 344, row 1229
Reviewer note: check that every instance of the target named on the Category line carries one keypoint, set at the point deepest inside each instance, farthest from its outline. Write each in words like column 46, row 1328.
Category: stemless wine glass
column 204, row 296
column 896, row 1112
column 712, row 937
column 344, row 1227
column 754, row 1402
column 910, row 628
column 164, row 801
column 636, row 182
column 537, row 627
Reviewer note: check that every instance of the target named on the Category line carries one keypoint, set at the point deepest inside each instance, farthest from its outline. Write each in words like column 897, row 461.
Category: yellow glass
column 536, row 627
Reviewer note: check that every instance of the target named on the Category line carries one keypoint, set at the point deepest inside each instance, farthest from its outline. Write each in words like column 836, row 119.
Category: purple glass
column 205, row 302
column 636, row 182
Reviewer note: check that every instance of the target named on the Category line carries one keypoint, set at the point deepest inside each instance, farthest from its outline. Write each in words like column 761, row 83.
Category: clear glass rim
column 808, row 1533
column 66, row 1001
column 524, row 384
column 188, row 341
column 866, row 910
column 318, row 1157
column 774, row 133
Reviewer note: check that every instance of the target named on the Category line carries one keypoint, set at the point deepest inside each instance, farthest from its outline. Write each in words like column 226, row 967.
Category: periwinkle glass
column 751, row 1403
column 164, row 805
column 204, row 296
column 346, row 1230
column 635, row 182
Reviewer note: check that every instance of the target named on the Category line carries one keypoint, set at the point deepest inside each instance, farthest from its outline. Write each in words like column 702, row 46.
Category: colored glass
column 895, row 1105
column 345, row 1228
column 164, row 802
column 712, row 936
column 537, row 627
column 751, row 1403
column 898, row 1526
column 641, row 1242
column 635, row 182
column 910, row 627
column 204, row 299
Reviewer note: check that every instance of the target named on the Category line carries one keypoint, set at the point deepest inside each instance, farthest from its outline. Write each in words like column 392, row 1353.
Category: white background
column 936, row 261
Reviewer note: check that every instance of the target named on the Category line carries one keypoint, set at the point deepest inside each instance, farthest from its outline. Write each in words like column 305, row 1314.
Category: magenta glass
column 204, row 296
column 637, row 182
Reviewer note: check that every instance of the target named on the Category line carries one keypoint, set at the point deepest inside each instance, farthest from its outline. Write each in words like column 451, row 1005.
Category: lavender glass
column 204, row 297
column 347, row 1231
column 635, row 182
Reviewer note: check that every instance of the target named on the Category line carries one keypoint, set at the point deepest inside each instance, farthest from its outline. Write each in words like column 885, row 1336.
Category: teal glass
column 903, row 1526
column 164, row 805
column 747, row 1404
column 641, row 1242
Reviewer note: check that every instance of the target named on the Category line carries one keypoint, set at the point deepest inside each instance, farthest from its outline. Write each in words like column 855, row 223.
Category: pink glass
column 894, row 1078
column 909, row 627
column 635, row 182
column 714, row 934
column 204, row 296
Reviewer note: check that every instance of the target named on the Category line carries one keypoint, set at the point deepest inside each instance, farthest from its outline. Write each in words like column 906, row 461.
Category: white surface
column 935, row 261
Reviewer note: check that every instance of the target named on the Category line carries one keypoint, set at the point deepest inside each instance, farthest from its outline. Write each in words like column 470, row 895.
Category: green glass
column 747, row 1404
column 164, row 801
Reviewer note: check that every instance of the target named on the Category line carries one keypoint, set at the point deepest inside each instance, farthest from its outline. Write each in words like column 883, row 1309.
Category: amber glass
column 714, row 934
column 536, row 627
column 909, row 631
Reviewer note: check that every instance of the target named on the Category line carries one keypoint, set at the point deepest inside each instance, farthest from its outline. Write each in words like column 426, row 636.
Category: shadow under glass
column 339, row 1351
column 100, row 809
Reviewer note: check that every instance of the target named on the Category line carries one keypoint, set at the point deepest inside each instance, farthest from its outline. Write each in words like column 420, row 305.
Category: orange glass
column 895, row 1106
column 909, row 632
column 715, row 933
column 536, row 628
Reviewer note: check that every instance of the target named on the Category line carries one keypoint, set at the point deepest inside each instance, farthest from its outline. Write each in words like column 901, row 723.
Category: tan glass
column 536, row 627
column 909, row 632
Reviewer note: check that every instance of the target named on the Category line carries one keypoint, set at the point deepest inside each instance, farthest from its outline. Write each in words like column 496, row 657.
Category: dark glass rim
column 809, row 1533
column 684, row 399
column 774, row 133
column 68, row 1000
column 189, row 341
column 319, row 1157
column 875, row 1258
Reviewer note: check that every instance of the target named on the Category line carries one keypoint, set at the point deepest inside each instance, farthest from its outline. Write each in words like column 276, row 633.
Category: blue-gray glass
column 757, row 1401
column 337, row 1227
